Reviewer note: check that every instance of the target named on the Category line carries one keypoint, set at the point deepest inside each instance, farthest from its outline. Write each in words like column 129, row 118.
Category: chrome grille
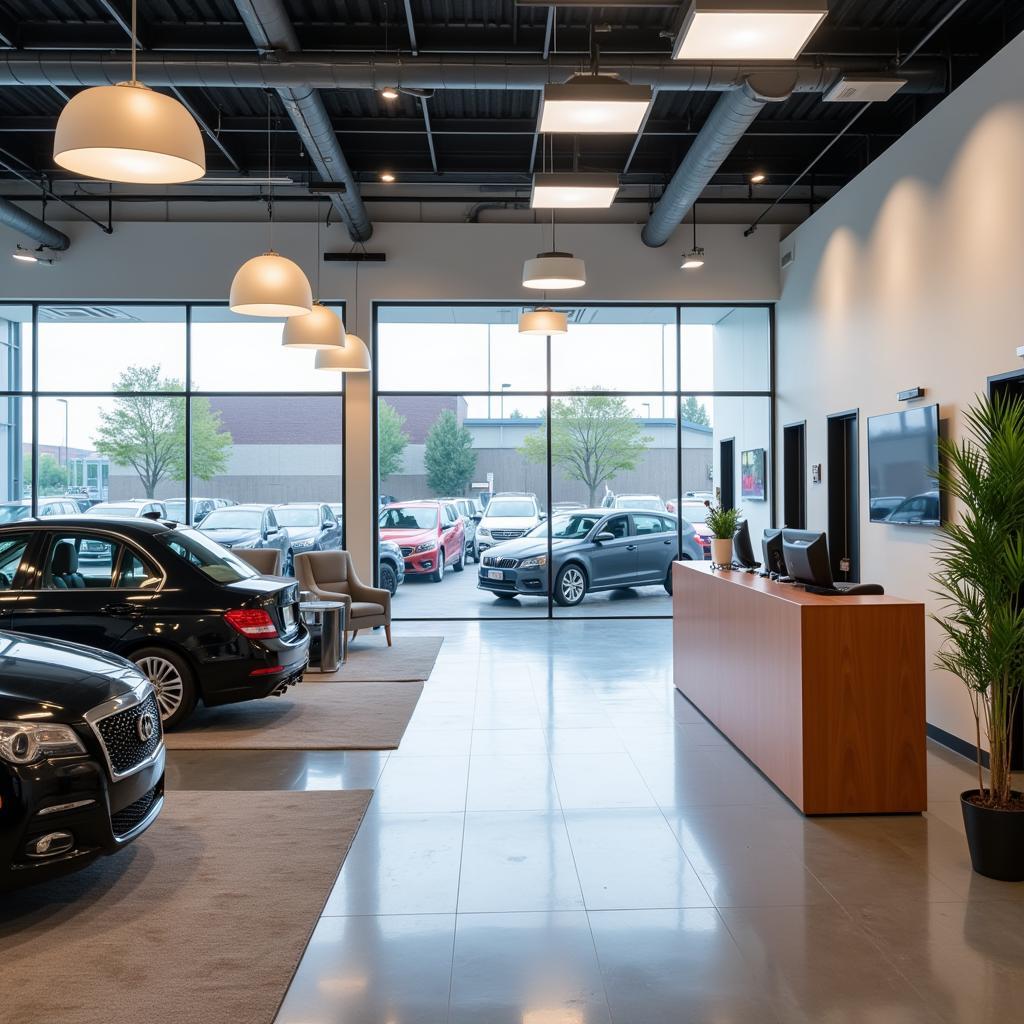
column 406, row 552
column 507, row 534
column 500, row 563
column 124, row 820
column 125, row 748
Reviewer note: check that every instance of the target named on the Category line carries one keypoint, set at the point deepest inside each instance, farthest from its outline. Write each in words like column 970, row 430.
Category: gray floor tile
column 599, row 780
column 511, row 782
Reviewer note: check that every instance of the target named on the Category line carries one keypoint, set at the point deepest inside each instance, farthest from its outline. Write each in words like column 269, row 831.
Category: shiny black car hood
column 63, row 679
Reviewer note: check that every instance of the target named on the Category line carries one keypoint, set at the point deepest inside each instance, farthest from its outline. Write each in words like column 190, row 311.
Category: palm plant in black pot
column 980, row 582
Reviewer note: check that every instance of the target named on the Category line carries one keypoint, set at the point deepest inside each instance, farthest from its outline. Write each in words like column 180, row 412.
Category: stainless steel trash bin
column 327, row 619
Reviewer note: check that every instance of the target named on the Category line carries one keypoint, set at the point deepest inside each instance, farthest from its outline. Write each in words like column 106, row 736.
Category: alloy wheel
column 573, row 586
column 170, row 687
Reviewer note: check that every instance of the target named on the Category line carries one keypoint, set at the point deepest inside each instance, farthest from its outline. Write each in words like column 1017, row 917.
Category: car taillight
column 252, row 622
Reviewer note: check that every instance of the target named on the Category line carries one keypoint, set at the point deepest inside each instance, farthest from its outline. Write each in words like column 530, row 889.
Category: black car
column 81, row 757
column 200, row 623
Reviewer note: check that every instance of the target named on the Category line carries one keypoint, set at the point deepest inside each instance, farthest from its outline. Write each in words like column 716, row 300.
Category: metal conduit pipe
column 732, row 115
column 345, row 71
column 25, row 224
column 270, row 28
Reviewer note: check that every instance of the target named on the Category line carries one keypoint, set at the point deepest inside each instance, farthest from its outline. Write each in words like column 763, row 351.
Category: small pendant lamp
column 353, row 356
column 321, row 327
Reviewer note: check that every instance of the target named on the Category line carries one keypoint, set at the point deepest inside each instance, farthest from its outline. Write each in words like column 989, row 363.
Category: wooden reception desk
column 824, row 694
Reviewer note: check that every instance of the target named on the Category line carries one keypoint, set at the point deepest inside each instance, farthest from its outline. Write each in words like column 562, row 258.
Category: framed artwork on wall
column 752, row 474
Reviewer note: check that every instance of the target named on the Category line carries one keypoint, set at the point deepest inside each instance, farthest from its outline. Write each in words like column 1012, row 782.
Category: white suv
column 507, row 517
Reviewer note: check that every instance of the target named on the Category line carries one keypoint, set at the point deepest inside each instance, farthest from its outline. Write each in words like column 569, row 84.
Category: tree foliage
column 147, row 431
column 448, row 455
column 693, row 411
column 391, row 440
column 53, row 477
column 593, row 438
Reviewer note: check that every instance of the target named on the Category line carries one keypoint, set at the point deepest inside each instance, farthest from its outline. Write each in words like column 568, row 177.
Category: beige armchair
column 264, row 560
column 330, row 576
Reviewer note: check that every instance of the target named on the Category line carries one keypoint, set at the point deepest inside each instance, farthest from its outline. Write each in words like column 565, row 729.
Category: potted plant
column 723, row 523
column 980, row 581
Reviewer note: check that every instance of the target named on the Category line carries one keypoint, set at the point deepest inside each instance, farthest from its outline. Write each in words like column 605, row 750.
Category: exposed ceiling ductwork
column 270, row 28
column 24, row 223
column 733, row 114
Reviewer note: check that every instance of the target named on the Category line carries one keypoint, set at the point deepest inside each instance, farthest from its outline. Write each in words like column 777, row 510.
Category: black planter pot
column 995, row 839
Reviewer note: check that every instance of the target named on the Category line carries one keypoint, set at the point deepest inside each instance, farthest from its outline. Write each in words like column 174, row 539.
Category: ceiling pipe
column 271, row 29
column 732, row 115
column 297, row 70
column 25, row 224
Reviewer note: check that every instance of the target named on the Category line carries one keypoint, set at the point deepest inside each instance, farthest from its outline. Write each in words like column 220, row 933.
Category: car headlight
column 26, row 742
column 534, row 563
column 483, row 531
column 301, row 545
column 429, row 546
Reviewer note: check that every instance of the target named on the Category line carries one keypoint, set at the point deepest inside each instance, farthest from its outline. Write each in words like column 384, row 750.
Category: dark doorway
column 727, row 473
column 1011, row 385
column 844, row 495
column 794, row 481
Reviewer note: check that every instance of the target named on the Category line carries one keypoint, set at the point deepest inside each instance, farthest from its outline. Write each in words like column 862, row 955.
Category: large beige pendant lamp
column 128, row 133
column 270, row 284
column 320, row 328
column 353, row 356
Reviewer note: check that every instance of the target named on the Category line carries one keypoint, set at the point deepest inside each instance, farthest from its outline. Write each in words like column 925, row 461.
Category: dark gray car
column 311, row 526
column 593, row 549
column 249, row 526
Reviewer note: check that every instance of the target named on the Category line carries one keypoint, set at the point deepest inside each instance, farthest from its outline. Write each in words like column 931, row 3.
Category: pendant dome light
column 270, row 284
column 543, row 320
column 321, row 327
column 128, row 133
column 351, row 357
column 694, row 259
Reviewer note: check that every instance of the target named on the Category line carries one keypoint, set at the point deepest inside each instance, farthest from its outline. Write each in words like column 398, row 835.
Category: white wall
column 425, row 262
column 912, row 275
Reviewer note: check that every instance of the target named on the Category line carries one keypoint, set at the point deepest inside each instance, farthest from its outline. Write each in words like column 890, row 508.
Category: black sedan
column 81, row 757
column 199, row 622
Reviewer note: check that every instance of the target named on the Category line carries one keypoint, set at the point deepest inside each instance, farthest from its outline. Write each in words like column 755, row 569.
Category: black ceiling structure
column 470, row 74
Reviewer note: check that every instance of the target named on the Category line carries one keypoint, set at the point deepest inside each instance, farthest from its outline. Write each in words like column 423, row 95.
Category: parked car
column 880, row 508
column 695, row 512
column 21, row 508
column 339, row 512
column 390, row 566
column 650, row 502
column 567, row 506
column 920, row 510
column 131, row 508
column 470, row 517
column 596, row 549
column 430, row 535
column 249, row 526
column 84, row 504
column 199, row 622
column 311, row 526
column 508, row 515
column 201, row 508
column 81, row 757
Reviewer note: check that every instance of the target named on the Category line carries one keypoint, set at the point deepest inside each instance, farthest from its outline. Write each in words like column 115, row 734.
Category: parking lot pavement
column 457, row 597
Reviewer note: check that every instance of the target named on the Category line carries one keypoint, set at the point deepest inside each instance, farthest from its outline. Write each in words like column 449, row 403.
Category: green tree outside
column 593, row 437
column 391, row 440
column 53, row 477
column 147, row 432
column 448, row 456
column 692, row 411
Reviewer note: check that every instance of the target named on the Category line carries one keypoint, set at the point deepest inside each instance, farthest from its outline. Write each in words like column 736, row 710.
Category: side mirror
column 476, row 518
column 324, row 527
column 604, row 537
column 272, row 531
column 542, row 516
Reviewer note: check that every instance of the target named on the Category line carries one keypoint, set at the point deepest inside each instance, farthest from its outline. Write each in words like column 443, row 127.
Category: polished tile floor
column 561, row 839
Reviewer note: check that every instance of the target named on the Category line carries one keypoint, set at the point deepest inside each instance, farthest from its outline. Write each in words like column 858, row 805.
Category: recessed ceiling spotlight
column 571, row 191
column 387, row 177
column 748, row 29
column 758, row 177
column 593, row 104
column 389, row 92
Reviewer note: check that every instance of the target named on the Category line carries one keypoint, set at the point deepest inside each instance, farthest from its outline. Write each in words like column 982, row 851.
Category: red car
column 430, row 534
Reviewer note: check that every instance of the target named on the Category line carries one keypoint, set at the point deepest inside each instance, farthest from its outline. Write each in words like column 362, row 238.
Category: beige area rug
column 202, row 919
column 360, row 716
column 409, row 659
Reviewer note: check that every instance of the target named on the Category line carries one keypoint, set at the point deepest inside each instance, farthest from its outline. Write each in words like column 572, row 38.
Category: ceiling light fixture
column 593, row 104
column 543, row 320
column 747, row 29
column 38, row 255
column 270, row 284
column 352, row 356
column 758, row 178
column 387, row 177
column 128, row 133
column 389, row 92
column 863, row 89
column 570, row 191
column 694, row 259
column 321, row 327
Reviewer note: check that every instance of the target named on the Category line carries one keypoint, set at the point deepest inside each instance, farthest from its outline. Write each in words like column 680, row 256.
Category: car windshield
column 233, row 519
column 628, row 502
column 694, row 513
column 520, row 508
column 567, row 527
column 209, row 557
column 408, row 517
column 12, row 513
column 297, row 516
column 114, row 510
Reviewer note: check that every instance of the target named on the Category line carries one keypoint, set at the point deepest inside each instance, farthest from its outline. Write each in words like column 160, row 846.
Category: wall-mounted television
column 903, row 453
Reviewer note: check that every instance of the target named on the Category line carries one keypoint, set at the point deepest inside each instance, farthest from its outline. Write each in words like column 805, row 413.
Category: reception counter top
column 824, row 694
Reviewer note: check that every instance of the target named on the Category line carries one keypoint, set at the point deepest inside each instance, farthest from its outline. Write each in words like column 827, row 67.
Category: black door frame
column 844, row 506
column 794, row 476
column 731, row 501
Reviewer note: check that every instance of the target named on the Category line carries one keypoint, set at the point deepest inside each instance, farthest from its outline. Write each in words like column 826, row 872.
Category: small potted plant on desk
column 723, row 523
column 980, row 581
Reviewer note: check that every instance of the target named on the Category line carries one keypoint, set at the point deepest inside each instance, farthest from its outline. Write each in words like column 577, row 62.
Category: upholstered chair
column 330, row 576
column 266, row 561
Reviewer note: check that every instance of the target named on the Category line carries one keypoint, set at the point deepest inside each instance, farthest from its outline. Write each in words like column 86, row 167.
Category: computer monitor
column 806, row 554
column 742, row 549
column 771, row 550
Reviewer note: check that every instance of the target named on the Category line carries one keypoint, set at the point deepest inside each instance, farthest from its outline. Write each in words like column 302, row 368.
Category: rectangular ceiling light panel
column 593, row 105
column 568, row 191
column 748, row 29
column 863, row 89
